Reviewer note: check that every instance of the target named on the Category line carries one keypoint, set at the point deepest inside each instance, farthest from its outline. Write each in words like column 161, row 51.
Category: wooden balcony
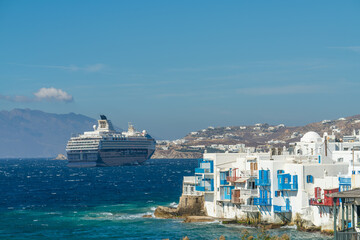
column 236, row 197
column 325, row 201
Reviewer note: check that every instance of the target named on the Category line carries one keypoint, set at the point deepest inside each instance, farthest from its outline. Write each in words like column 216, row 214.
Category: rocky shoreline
column 191, row 209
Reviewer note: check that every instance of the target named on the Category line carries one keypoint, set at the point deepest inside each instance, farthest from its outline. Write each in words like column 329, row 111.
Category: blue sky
column 174, row 67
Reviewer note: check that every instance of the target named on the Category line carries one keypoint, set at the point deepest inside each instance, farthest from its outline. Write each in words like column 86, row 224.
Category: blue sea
column 44, row 199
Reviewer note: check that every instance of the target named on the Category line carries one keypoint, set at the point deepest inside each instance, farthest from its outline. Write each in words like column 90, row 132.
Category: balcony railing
column 223, row 182
column 344, row 180
column 249, row 208
column 288, row 186
column 323, row 202
column 204, row 188
column 249, row 192
column 282, row 209
column 232, row 179
column 262, row 201
column 202, row 170
column 237, row 200
column 262, row 182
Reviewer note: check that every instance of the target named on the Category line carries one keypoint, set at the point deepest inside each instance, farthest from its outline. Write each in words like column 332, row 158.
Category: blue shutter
column 295, row 179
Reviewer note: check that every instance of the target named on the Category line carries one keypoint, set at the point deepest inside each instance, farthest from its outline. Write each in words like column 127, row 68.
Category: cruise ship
column 105, row 147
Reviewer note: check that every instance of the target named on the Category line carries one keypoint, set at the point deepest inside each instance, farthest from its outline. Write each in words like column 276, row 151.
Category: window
column 277, row 193
column 309, row 179
column 280, row 171
column 340, row 159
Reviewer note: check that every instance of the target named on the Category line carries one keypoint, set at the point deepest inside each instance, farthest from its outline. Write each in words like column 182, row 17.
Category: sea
column 44, row 199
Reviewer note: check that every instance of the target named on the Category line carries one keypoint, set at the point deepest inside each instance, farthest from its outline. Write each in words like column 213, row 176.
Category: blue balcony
column 262, row 182
column 264, row 178
column 204, row 188
column 205, row 166
column 226, row 193
column 284, row 182
column 202, row 170
column 288, row 186
column 282, row 209
column 344, row 181
column 262, row 201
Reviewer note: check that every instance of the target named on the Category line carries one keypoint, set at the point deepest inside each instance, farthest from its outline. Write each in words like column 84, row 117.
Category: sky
column 172, row 67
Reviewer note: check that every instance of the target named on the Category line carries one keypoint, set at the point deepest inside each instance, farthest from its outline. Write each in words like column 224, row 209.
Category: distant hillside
column 29, row 133
column 261, row 135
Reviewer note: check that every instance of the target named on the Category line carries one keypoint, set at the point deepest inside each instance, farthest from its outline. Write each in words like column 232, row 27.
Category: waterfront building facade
column 291, row 184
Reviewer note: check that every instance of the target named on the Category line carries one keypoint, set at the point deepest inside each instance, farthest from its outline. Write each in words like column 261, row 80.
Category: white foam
column 106, row 216
column 289, row 227
column 174, row 205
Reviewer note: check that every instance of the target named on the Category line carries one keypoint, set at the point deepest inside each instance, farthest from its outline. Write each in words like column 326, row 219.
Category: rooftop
column 354, row 193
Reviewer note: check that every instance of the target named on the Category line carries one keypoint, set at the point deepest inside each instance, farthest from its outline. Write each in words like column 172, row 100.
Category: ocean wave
column 173, row 205
column 290, row 227
column 107, row 216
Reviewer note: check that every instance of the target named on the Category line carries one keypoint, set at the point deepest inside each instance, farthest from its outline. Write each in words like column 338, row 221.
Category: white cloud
column 43, row 94
column 53, row 94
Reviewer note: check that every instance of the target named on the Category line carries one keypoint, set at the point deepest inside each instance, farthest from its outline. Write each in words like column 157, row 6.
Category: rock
column 147, row 216
column 186, row 238
column 188, row 206
column 305, row 225
column 327, row 232
column 166, row 212
column 191, row 219
column 285, row 237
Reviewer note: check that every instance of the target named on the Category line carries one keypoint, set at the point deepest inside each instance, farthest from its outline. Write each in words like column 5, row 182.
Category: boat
column 105, row 147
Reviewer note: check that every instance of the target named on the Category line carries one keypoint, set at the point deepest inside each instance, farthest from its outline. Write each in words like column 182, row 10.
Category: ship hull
column 109, row 157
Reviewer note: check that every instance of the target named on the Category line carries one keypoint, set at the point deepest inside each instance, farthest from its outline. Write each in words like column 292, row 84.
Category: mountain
column 26, row 133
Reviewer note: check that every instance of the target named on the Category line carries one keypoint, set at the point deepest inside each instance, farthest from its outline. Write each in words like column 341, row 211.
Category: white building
column 280, row 187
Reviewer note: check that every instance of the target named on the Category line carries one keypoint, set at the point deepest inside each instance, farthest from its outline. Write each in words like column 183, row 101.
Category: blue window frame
column 309, row 179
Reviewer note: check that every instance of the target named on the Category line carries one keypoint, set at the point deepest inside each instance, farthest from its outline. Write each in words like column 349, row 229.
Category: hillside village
column 260, row 137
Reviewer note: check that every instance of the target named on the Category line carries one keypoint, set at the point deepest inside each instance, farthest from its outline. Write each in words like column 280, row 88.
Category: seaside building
column 282, row 184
